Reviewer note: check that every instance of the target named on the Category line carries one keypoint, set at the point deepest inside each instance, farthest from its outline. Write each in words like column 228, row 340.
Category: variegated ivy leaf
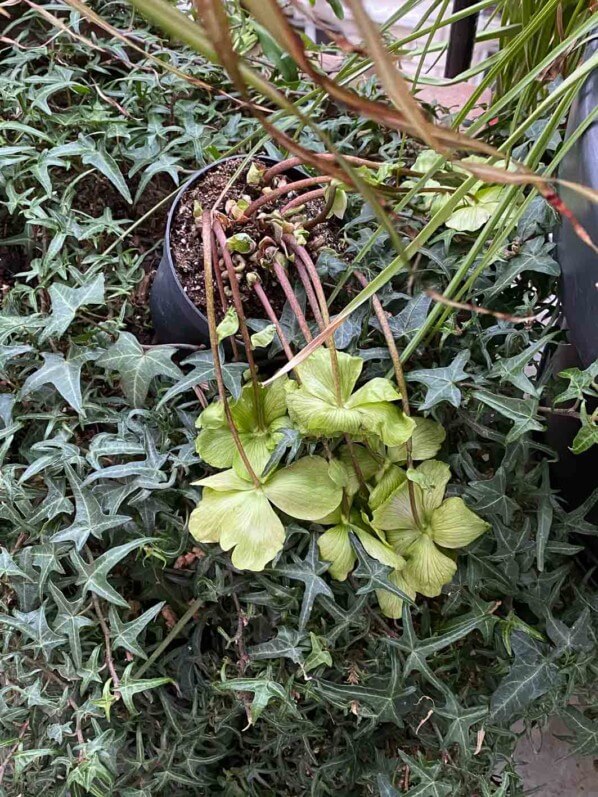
column 317, row 410
column 440, row 524
column 259, row 424
column 137, row 367
column 239, row 515
column 67, row 300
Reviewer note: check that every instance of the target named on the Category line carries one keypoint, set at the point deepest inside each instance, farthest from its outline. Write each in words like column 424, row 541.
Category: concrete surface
column 547, row 769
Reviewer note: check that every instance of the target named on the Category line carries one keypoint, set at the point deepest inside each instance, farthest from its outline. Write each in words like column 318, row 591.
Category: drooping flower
column 441, row 524
column 316, row 409
column 259, row 428
column 236, row 513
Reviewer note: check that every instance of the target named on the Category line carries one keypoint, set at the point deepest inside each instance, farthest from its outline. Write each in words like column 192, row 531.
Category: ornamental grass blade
column 392, row 80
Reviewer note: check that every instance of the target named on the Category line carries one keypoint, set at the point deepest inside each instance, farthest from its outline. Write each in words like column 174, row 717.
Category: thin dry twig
column 473, row 308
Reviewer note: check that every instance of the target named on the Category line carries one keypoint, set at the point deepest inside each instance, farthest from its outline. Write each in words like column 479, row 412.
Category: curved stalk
column 302, row 199
column 208, row 251
column 238, row 303
column 298, row 185
column 323, row 214
column 287, row 288
column 401, row 384
column 290, row 163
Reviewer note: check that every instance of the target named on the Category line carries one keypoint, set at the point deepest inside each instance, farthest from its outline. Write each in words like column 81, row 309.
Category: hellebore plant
column 317, row 409
column 441, row 524
column 350, row 482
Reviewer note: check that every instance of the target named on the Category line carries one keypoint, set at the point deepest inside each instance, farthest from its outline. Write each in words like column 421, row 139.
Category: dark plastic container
column 579, row 263
column 175, row 318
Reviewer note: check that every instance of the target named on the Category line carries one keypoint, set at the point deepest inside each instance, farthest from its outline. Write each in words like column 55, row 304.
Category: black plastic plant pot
column 175, row 317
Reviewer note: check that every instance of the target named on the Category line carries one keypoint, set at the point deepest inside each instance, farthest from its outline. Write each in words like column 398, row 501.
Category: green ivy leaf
column 34, row 626
column 92, row 577
column 63, row 374
column 67, row 300
column 204, row 371
column 309, row 572
column 264, row 690
column 442, row 382
column 124, row 635
column 130, row 686
column 69, row 620
column 521, row 411
column 137, row 367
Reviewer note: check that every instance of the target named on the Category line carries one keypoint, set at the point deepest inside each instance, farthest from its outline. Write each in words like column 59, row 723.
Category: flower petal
column 252, row 528
column 387, row 422
column 454, row 525
column 317, row 376
column 335, row 547
column 395, row 513
column 216, row 446
column 315, row 416
column 432, row 476
column 275, row 401
column 402, row 541
column 427, row 438
column 379, row 550
column 392, row 478
column 204, row 521
column 390, row 604
column 304, row 489
column 226, row 481
column 427, row 568
column 374, row 391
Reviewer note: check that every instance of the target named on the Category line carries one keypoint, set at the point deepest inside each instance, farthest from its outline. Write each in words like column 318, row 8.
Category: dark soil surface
column 187, row 249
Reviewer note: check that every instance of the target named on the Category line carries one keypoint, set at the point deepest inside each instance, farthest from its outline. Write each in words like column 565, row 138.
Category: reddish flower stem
column 309, row 292
column 287, row 288
column 298, row 185
column 261, row 294
column 302, row 199
column 210, row 252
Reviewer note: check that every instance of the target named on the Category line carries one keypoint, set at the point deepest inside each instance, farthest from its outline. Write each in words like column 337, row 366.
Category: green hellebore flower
column 442, row 524
column 215, row 444
column 239, row 515
column 427, row 438
column 316, row 410
column 336, row 547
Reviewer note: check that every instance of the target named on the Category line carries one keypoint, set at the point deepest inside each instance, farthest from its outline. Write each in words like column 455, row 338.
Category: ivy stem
column 401, row 383
column 287, row 288
column 303, row 199
column 208, row 250
column 238, row 303
column 265, row 199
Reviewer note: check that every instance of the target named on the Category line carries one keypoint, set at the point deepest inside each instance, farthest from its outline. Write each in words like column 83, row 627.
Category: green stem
column 174, row 632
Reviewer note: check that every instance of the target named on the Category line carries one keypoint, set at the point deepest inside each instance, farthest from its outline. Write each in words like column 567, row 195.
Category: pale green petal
column 225, row 481
column 204, row 521
column 454, row 525
column 395, row 513
column 374, row 391
column 304, row 489
column 390, row 604
column 427, row 568
column 428, row 436
column 401, row 541
column 469, row 218
column 275, row 400
column 335, row 547
column 252, row 528
column 332, row 518
column 379, row 550
column 432, row 477
column 314, row 416
column 216, row 446
column 316, row 374
column 243, row 409
column 212, row 417
column 387, row 422
column 258, row 448
column 365, row 462
column 392, row 478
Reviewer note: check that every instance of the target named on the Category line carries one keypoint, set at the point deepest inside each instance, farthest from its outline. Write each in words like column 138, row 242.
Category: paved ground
column 547, row 770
